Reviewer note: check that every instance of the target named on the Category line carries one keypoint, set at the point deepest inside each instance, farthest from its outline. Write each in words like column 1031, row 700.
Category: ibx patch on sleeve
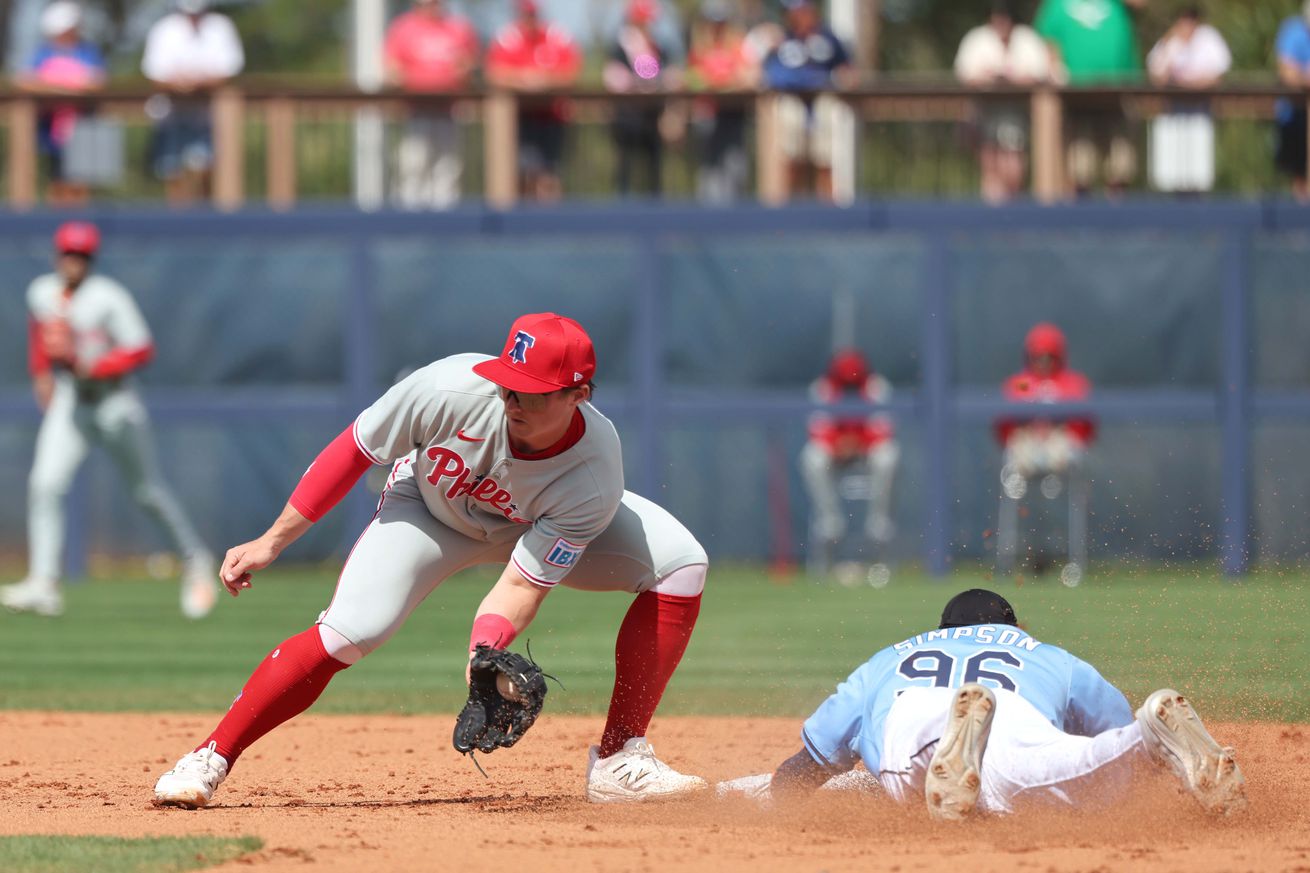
column 564, row 553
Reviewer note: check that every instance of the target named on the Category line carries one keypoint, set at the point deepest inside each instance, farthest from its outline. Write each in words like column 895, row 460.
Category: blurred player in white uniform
column 493, row 460
column 86, row 339
column 978, row 715
column 842, row 446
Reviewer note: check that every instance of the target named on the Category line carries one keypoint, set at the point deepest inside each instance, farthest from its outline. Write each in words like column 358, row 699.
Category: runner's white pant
column 405, row 553
column 119, row 422
column 1027, row 762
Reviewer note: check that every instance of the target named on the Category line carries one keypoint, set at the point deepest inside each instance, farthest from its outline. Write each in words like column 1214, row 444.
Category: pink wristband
column 492, row 630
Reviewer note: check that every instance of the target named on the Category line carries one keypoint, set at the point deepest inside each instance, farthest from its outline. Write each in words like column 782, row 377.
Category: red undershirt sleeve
column 333, row 473
column 120, row 362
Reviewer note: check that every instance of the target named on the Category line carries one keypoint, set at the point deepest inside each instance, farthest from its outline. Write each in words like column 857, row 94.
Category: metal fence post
column 648, row 367
column 1236, row 406
column 938, row 403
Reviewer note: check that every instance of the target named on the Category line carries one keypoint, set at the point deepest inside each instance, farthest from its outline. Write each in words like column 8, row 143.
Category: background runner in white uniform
column 494, row 460
column 1059, row 733
column 86, row 338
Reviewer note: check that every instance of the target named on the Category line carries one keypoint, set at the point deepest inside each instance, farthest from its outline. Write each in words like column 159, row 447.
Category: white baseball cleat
column 634, row 774
column 38, row 596
column 199, row 587
column 955, row 772
column 192, row 781
column 1176, row 739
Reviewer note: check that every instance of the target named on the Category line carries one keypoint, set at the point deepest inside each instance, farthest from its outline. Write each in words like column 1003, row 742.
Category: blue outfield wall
column 273, row 330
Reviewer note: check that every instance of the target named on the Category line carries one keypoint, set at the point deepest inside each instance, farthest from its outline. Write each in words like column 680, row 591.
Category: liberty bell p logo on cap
column 523, row 341
column 543, row 352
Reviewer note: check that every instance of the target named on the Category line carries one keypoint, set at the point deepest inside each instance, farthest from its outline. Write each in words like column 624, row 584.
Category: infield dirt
column 378, row 793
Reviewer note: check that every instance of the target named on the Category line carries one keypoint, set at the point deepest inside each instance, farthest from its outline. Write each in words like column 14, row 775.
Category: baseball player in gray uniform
column 86, row 339
column 493, row 460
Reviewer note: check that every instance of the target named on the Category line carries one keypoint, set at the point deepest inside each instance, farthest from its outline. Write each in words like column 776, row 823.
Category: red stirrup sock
column 651, row 641
column 284, row 685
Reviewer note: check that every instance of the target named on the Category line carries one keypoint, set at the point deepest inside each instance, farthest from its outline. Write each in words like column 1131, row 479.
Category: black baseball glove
column 490, row 719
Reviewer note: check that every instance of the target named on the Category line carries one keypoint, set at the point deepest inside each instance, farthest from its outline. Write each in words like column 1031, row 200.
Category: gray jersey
column 101, row 314
column 449, row 424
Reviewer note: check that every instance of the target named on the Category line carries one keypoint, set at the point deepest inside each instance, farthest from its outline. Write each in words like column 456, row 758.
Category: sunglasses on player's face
column 530, row 402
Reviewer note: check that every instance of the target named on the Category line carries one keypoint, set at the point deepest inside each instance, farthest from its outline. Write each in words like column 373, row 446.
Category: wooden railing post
column 1048, row 145
column 770, row 163
column 280, row 123
column 228, row 110
column 500, row 122
column 22, row 153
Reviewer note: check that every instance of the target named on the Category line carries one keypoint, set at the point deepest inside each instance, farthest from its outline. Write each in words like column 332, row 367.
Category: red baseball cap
column 544, row 352
column 77, row 237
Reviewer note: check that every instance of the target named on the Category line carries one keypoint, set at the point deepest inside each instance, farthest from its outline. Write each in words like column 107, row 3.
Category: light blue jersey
column 1069, row 692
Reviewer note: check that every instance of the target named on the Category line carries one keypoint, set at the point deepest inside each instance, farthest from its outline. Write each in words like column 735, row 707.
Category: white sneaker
column 39, row 596
column 1176, row 739
column 199, row 586
column 954, row 775
column 634, row 774
column 192, row 780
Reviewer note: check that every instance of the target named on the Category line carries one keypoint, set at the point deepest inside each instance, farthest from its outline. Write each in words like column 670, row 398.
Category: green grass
column 60, row 854
column 761, row 648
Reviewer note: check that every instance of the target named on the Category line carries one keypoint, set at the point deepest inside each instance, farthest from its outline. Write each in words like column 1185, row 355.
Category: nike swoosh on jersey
column 470, row 439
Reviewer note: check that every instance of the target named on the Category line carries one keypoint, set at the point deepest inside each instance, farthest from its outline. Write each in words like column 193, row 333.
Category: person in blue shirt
column 1293, row 49
column 809, row 58
column 979, row 715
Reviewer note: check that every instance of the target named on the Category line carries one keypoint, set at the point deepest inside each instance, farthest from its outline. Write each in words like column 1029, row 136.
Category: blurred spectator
column 1049, row 449
column 1191, row 54
column 1002, row 52
column 189, row 52
column 642, row 60
column 1293, row 49
column 720, row 60
column 1096, row 43
column 429, row 50
column 845, row 448
column 64, row 63
column 809, row 58
column 528, row 56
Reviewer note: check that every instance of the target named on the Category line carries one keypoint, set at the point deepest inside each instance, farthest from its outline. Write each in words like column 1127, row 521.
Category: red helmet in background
column 848, row 368
column 78, row 238
column 1046, row 340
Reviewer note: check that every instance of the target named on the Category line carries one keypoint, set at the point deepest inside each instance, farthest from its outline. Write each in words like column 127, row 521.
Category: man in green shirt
column 1094, row 39
column 1095, row 43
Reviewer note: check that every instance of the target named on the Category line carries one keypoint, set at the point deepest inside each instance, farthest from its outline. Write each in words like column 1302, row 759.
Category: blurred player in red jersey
column 856, row 449
column 1051, row 449
column 531, row 56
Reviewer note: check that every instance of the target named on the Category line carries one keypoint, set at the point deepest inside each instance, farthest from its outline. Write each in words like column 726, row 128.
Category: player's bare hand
column 243, row 561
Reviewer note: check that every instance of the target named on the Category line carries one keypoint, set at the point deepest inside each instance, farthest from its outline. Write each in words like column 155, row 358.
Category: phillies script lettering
column 484, row 489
